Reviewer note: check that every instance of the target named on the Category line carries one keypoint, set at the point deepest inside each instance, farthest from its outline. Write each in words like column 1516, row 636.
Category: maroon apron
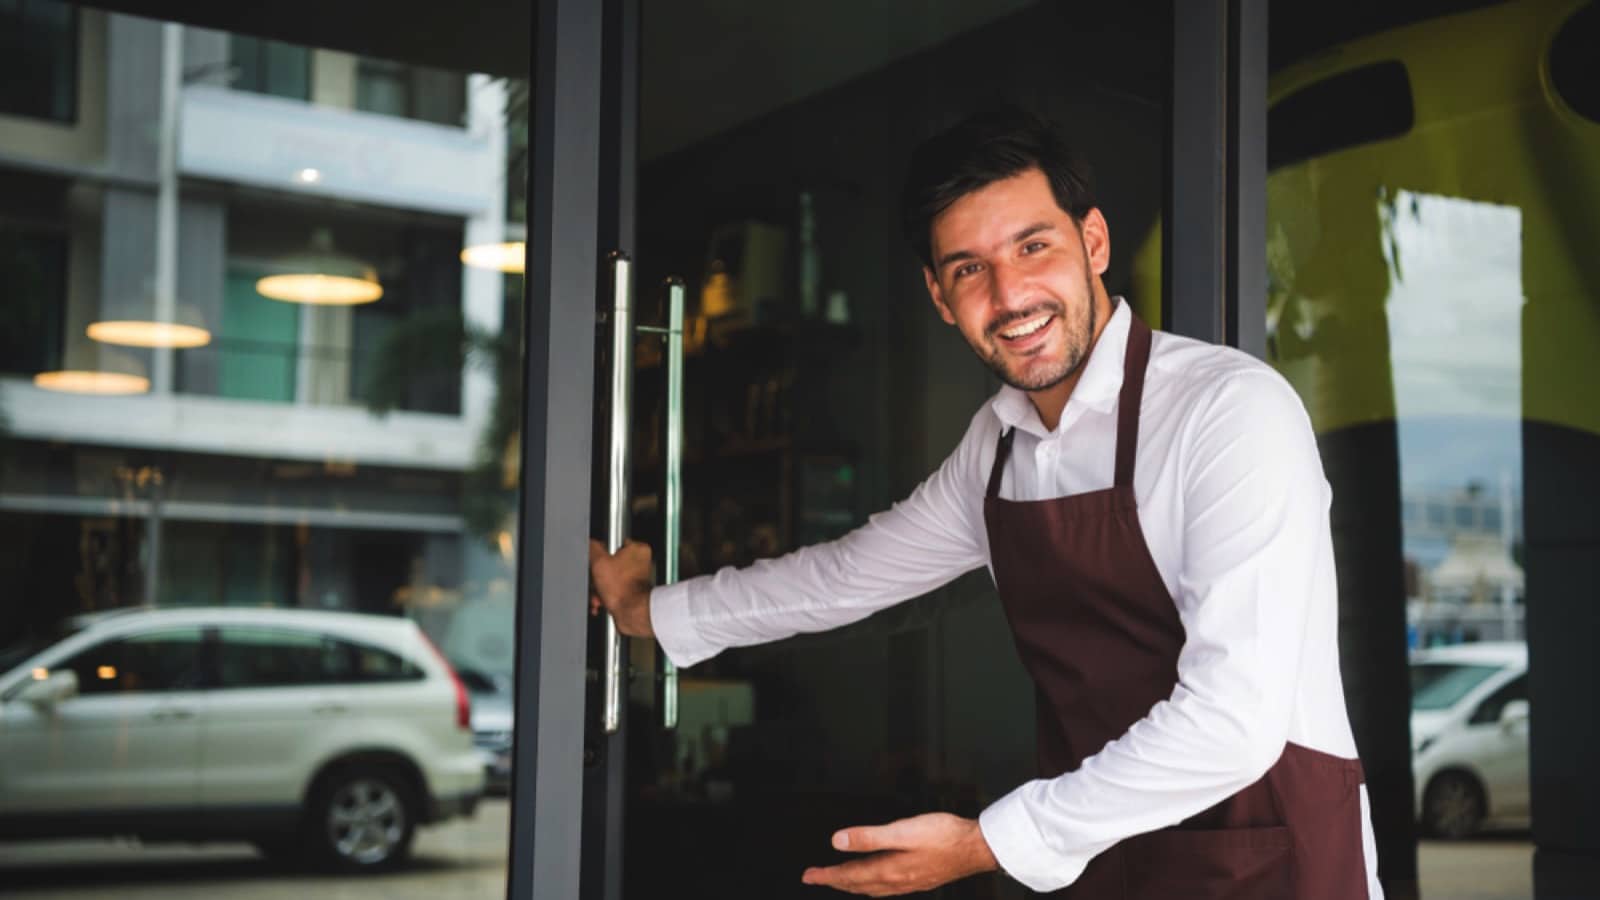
column 1100, row 635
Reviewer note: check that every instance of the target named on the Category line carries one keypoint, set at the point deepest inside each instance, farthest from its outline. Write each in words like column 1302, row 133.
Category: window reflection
column 1430, row 301
column 1455, row 320
column 320, row 488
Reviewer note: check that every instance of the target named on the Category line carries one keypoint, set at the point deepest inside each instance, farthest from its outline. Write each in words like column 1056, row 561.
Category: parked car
column 492, row 718
column 316, row 735
column 1469, row 737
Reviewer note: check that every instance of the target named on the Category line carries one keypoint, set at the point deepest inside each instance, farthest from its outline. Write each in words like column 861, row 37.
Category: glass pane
column 33, row 262
column 822, row 387
column 288, row 70
column 415, row 92
column 307, row 480
column 1432, row 188
column 382, row 88
column 270, row 67
column 39, row 60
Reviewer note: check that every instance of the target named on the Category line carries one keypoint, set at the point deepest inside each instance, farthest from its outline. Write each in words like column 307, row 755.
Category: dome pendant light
column 322, row 277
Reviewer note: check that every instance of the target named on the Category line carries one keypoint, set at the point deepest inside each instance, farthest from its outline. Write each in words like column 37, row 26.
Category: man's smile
column 1028, row 332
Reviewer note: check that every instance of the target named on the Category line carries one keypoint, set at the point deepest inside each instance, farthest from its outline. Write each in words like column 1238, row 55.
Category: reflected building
column 1463, row 580
column 314, row 448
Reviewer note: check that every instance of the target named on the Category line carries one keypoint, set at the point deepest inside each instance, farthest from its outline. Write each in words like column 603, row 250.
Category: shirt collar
column 1097, row 387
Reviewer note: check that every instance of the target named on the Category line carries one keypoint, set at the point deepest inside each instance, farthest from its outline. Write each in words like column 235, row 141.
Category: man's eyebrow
column 1024, row 234
column 1030, row 231
column 954, row 256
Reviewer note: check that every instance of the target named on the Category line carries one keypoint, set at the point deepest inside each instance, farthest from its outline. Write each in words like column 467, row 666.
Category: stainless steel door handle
column 674, row 476
column 328, row 709
column 617, row 468
column 166, row 715
column 673, row 333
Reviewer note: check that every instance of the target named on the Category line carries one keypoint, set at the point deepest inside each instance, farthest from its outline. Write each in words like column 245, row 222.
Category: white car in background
column 493, row 716
column 321, row 736
column 1469, row 737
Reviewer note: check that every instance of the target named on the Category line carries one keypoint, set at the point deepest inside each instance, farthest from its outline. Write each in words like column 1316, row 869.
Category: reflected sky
column 1455, row 324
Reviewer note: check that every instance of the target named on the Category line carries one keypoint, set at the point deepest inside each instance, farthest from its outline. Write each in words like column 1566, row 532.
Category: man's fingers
column 875, row 875
column 868, row 838
column 596, row 550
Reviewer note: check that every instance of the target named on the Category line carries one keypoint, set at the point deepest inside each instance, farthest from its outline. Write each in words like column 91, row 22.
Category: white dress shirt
column 1234, row 508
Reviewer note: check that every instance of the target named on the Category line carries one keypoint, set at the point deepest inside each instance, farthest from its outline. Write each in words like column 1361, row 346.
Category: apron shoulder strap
column 1001, row 452
column 1134, row 362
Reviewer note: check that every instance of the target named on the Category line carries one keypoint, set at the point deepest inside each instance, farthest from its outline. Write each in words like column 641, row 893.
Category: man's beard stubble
column 1078, row 343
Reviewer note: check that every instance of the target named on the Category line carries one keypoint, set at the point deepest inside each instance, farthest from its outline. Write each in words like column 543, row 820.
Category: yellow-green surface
column 1489, row 129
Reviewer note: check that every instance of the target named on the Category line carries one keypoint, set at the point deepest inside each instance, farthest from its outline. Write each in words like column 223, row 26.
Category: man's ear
column 937, row 296
column 1096, row 240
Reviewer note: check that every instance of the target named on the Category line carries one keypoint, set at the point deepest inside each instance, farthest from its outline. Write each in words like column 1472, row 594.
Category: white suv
column 324, row 735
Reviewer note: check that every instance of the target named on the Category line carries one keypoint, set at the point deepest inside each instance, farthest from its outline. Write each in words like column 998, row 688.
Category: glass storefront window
column 268, row 582
column 1431, row 189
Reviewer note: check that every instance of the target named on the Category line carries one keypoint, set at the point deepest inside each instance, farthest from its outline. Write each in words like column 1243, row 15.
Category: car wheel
column 1453, row 805
column 363, row 820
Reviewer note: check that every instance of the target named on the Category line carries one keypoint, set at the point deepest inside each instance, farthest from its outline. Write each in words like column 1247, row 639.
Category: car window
column 1574, row 69
column 1442, row 685
column 279, row 657
column 145, row 663
column 1489, row 710
column 249, row 657
column 373, row 664
column 1361, row 106
column 477, row 682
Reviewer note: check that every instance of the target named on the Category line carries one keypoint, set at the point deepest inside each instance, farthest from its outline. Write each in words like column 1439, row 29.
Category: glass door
column 818, row 387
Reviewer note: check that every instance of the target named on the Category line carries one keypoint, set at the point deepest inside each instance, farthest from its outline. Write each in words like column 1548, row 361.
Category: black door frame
column 1214, row 227
column 564, row 144
column 580, row 204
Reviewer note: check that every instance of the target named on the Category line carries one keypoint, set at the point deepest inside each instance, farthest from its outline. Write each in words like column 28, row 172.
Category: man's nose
column 1008, row 286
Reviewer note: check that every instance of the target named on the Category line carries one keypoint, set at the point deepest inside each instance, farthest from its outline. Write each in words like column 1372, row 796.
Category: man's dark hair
column 986, row 147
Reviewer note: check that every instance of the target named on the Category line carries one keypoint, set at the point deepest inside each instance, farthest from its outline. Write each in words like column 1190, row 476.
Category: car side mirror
column 1513, row 713
column 53, row 689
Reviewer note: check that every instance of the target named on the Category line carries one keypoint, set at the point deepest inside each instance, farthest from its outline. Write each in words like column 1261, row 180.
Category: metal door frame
column 564, row 197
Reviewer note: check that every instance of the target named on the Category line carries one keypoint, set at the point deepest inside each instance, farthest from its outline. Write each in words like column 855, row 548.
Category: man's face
column 1019, row 279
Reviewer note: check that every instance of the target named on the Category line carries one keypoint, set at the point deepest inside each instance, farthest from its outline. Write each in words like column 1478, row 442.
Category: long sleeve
column 915, row 546
column 1256, row 564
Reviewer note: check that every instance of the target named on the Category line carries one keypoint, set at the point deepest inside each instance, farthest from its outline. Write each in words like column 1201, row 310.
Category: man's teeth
column 1025, row 330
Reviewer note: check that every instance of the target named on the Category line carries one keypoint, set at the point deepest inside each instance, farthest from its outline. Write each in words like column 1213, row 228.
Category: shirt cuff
column 1020, row 849
column 674, row 627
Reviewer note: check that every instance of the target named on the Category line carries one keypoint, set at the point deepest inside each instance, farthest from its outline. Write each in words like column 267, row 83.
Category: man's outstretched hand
column 620, row 584
column 915, row 854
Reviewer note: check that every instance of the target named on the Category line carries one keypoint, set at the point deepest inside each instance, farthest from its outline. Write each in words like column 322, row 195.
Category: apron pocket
column 1224, row 864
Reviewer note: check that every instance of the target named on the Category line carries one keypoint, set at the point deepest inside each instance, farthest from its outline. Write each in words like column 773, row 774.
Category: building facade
column 306, row 454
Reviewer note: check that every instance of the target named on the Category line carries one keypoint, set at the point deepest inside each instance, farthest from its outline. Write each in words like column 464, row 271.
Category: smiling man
column 1155, row 517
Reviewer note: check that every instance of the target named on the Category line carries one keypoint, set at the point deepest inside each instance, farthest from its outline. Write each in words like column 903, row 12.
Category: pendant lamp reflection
column 180, row 329
column 86, row 381
column 137, row 333
column 509, row 257
column 94, row 370
column 322, row 277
